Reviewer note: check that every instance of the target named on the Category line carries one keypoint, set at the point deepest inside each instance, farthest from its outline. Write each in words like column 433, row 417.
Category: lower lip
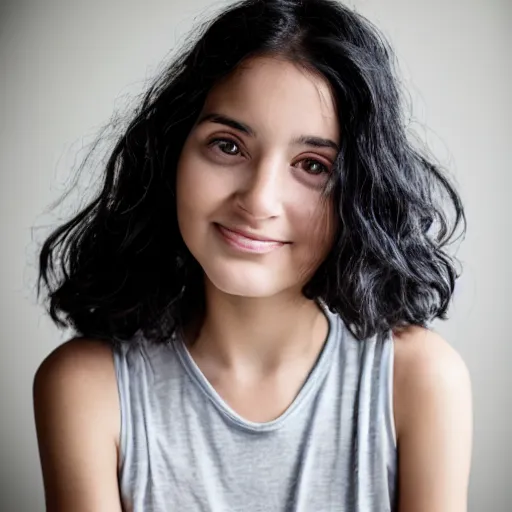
column 244, row 244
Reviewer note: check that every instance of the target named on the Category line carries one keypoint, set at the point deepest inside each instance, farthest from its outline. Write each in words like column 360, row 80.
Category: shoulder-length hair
column 120, row 265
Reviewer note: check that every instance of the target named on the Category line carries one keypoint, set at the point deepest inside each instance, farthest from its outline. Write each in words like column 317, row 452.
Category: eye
column 315, row 167
column 227, row 146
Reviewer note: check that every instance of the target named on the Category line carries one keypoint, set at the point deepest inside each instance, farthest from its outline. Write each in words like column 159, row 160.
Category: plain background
column 66, row 65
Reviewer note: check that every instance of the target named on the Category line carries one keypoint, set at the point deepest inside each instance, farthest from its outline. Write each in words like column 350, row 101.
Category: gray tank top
column 182, row 448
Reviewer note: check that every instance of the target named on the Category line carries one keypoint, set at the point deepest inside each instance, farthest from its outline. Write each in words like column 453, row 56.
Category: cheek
column 188, row 198
column 200, row 194
column 187, row 181
column 315, row 229
column 316, row 225
column 193, row 187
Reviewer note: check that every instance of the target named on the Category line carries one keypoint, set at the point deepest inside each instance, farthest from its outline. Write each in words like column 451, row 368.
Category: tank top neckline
column 312, row 382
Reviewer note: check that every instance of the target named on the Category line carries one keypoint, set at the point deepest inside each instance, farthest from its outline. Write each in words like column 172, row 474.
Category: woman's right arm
column 76, row 409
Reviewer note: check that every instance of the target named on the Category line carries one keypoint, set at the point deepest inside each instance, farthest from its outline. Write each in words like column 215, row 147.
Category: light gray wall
column 64, row 66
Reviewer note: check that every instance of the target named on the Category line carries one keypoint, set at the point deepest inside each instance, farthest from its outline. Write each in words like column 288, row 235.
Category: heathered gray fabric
column 184, row 449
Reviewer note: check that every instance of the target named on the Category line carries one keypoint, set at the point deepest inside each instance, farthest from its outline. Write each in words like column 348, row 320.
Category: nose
column 261, row 192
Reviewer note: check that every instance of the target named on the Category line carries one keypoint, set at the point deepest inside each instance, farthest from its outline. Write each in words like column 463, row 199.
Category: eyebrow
column 308, row 140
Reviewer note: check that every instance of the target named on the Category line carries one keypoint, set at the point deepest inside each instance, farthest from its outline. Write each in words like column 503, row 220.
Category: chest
column 184, row 447
column 195, row 456
column 199, row 464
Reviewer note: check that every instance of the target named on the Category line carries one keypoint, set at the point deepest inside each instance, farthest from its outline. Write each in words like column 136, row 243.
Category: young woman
column 252, row 290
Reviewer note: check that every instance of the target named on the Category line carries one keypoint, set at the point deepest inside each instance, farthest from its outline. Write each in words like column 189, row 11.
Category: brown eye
column 227, row 146
column 315, row 167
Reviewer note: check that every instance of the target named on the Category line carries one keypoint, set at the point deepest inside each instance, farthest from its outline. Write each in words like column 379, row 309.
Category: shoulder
column 433, row 419
column 426, row 368
column 79, row 374
column 77, row 361
column 420, row 353
column 76, row 413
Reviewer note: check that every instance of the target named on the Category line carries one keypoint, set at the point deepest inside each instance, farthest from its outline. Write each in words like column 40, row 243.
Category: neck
column 258, row 334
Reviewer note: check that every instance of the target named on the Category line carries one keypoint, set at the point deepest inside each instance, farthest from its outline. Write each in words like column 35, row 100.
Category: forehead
column 277, row 98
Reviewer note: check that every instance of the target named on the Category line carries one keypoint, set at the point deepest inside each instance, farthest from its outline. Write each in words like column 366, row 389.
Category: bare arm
column 77, row 421
column 433, row 415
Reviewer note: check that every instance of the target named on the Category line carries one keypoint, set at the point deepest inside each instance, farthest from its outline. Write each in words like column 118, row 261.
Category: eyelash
column 215, row 143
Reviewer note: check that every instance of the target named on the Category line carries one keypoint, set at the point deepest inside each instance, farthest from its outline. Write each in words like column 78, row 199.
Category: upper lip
column 251, row 235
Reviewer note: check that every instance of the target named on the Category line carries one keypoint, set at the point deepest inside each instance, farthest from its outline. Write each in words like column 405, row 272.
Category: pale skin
column 260, row 337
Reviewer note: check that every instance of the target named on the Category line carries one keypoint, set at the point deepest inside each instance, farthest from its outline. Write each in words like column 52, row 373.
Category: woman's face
column 250, row 180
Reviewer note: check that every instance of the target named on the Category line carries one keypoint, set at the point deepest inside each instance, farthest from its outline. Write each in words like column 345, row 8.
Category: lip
column 251, row 236
column 248, row 242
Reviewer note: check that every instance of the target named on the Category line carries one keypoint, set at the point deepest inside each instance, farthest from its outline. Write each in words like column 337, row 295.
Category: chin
column 246, row 284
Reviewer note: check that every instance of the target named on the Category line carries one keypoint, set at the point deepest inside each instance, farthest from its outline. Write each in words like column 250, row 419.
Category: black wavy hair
column 121, row 266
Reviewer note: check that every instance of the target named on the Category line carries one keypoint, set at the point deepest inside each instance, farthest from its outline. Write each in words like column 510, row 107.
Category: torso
column 187, row 445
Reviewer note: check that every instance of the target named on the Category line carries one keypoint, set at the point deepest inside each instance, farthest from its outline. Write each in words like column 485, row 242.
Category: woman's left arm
column 433, row 418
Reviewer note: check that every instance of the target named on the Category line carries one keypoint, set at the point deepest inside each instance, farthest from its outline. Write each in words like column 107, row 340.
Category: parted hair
column 120, row 264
